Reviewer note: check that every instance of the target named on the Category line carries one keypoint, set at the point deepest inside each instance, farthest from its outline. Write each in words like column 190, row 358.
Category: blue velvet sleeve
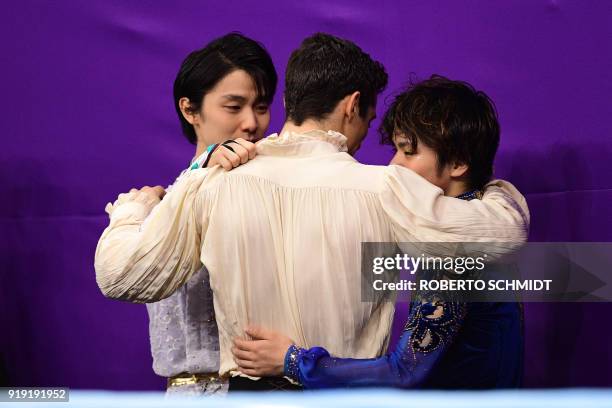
column 430, row 330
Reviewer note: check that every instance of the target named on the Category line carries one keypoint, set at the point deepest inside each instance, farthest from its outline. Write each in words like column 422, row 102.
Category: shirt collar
column 470, row 195
column 307, row 143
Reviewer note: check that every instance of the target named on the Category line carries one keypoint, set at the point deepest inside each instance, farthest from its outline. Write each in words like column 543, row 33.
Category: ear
column 185, row 107
column 459, row 170
column 351, row 108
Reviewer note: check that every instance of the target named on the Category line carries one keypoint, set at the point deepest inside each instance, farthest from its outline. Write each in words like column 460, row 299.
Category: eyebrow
column 235, row 98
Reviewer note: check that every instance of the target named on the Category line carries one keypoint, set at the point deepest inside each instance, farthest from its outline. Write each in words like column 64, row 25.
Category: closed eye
column 261, row 109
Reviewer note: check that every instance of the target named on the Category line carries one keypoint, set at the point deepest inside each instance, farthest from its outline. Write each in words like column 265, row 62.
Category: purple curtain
column 87, row 113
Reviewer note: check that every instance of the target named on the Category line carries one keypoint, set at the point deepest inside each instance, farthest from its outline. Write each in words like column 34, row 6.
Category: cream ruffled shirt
column 281, row 237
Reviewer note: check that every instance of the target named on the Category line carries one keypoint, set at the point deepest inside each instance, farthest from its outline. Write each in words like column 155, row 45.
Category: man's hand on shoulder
column 156, row 191
column 232, row 154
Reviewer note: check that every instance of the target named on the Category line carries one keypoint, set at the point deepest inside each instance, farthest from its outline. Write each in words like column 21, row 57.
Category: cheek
column 416, row 164
column 400, row 159
column 264, row 122
column 223, row 123
column 429, row 172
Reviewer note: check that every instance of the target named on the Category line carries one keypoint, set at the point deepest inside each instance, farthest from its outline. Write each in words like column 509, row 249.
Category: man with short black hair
column 322, row 72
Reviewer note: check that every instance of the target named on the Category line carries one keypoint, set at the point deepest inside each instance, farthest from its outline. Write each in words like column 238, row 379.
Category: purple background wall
column 87, row 113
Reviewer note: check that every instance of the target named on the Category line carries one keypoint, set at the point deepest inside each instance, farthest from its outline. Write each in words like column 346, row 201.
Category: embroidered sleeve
column 430, row 330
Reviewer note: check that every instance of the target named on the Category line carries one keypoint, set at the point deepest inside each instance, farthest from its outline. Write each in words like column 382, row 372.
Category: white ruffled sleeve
column 147, row 263
column 420, row 212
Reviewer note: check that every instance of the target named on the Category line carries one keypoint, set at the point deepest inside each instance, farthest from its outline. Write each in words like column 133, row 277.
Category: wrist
column 210, row 150
column 136, row 204
column 292, row 362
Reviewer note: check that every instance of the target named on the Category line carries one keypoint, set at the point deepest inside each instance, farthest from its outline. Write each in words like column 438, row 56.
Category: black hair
column 458, row 122
column 325, row 69
column 204, row 68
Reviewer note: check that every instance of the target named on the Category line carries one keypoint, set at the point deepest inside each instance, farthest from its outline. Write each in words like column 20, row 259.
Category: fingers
column 259, row 333
column 158, row 191
column 244, row 359
column 242, row 354
column 242, row 152
column 251, row 372
column 245, row 363
column 229, row 157
column 246, row 345
column 250, row 147
column 241, row 149
column 223, row 161
column 234, row 158
column 226, row 158
column 255, row 358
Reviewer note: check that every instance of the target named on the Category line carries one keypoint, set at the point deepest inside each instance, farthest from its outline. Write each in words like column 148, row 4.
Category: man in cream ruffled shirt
column 281, row 236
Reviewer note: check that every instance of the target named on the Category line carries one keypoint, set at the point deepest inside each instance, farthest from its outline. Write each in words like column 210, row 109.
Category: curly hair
column 458, row 122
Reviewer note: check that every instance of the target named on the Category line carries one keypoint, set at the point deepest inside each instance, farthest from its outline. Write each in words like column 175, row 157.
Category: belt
column 185, row 379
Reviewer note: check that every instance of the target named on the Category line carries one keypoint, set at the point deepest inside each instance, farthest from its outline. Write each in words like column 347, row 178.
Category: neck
column 200, row 148
column 307, row 126
column 456, row 188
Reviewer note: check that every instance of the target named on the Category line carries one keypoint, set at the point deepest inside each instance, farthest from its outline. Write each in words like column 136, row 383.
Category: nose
column 396, row 159
column 249, row 124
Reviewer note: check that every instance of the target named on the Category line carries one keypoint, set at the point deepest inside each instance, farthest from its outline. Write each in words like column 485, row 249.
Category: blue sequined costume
column 448, row 345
